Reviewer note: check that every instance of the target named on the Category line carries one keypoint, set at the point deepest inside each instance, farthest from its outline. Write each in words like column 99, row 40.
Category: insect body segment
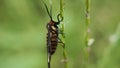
column 52, row 36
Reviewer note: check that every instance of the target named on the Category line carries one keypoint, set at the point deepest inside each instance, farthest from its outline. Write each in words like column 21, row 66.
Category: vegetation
column 23, row 34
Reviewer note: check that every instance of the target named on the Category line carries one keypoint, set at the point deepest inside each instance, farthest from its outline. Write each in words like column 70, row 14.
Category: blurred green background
column 23, row 34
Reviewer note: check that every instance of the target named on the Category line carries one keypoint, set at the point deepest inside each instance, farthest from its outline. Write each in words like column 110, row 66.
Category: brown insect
column 53, row 34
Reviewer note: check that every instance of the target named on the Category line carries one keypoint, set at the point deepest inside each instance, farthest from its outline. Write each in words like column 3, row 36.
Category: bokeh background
column 23, row 34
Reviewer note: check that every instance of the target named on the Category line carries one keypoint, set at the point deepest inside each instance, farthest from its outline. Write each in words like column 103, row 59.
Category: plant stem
column 87, row 32
column 87, row 20
column 63, row 35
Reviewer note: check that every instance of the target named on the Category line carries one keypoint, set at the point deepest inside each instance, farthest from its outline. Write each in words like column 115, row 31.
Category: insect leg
column 60, row 41
column 60, row 31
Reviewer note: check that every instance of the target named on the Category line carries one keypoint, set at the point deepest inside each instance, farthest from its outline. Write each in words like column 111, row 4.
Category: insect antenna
column 49, row 13
column 59, row 18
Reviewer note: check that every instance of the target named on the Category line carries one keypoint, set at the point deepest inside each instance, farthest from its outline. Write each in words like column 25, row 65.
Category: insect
column 53, row 34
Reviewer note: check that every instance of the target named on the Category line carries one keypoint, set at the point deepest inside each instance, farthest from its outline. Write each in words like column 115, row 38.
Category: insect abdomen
column 54, row 42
